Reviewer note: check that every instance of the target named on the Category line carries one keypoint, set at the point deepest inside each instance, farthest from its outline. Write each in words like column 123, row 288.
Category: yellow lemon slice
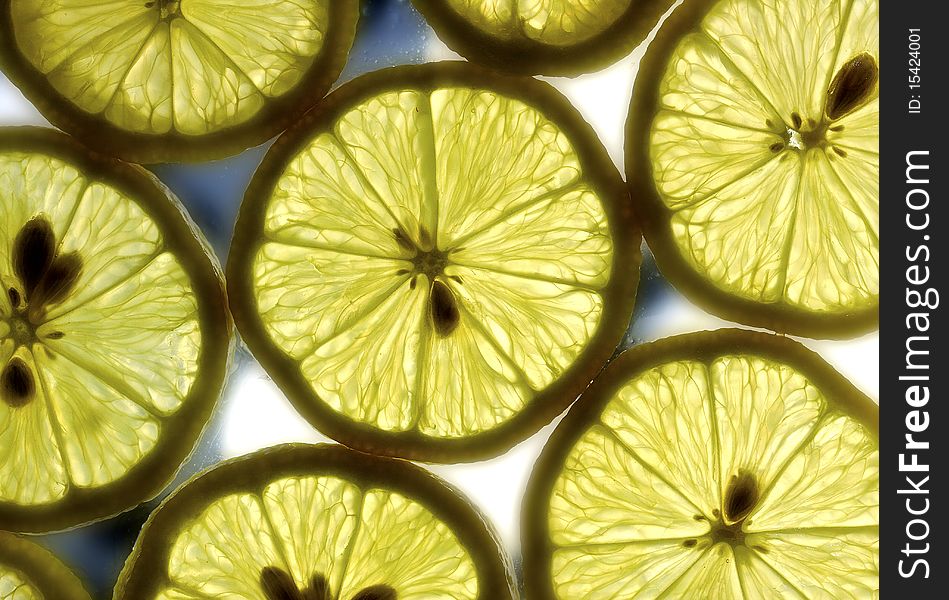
column 719, row 465
column 752, row 152
column 172, row 80
column 435, row 262
column 114, row 333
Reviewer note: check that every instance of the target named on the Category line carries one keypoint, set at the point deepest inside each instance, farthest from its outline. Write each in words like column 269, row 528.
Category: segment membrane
column 403, row 545
column 833, row 481
column 210, row 65
column 104, row 434
column 495, row 158
column 665, row 415
column 825, row 565
column 605, row 495
column 764, row 411
column 713, row 575
column 627, row 570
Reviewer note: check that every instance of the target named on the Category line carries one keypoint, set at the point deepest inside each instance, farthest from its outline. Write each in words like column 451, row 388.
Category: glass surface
column 253, row 413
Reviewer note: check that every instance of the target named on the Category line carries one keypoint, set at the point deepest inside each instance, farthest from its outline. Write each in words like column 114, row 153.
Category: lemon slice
column 323, row 522
column 720, row 465
column 753, row 150
column 436, row 262
column 29, row 572
column 172, row 80
column 114, row 334
column 549, row 37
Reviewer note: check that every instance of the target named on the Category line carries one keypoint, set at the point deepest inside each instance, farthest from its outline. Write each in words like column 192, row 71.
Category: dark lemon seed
column 16, row 383
column 60, row 278
column 761, row 549
column 14, row 297
column 796, row 120
column 852, row 85
column 740, row 497
column 55, row 335
column 840, row 152
column 690, row 543
column 278, row 585
column 33, row 251
column 376, row 592
column 444, row 309
column 777, row 147
column 403, row 239
column 837, row 128
column 318, row 590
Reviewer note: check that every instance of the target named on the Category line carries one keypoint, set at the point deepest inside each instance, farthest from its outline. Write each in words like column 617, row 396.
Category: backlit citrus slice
column 725, row 465
column 29, row 572
column 435, row 262
column 172, row 80
column 114, row 334
column 752, row 150
column 549, row 37
column 303, row 522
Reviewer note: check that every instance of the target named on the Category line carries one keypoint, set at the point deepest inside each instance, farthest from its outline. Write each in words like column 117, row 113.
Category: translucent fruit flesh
column 759, row 126
column 730, row 476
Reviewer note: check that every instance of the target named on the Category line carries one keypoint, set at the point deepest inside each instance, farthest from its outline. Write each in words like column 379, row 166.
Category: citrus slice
column 721, row 465
column 172, row 80
column 752, row 149
column 543, row 37
column 114, row 334
column 29, row 572
column 321, row 522
column 435, row 262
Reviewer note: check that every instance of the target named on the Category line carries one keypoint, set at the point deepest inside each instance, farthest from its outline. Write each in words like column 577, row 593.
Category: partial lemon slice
column 548, row 37
column 172, row 80
column 316, row 523
column 114, row 333
column 29, row 572
column 719, row 465
column 436, row 262
column 753, row 150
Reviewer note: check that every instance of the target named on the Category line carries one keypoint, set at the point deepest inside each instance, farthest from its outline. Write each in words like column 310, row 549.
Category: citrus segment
column 220, row 74
column 114, row 336
column 550, row 37
column 716, row 465
column 753, row 151
column 315, row 522
column 29, row 572
column 461, row 229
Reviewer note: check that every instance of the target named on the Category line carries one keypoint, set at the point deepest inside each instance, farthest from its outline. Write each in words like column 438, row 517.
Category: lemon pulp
column 454, row 235
column 760, row 123
column 101, row 339
column 730, row 476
